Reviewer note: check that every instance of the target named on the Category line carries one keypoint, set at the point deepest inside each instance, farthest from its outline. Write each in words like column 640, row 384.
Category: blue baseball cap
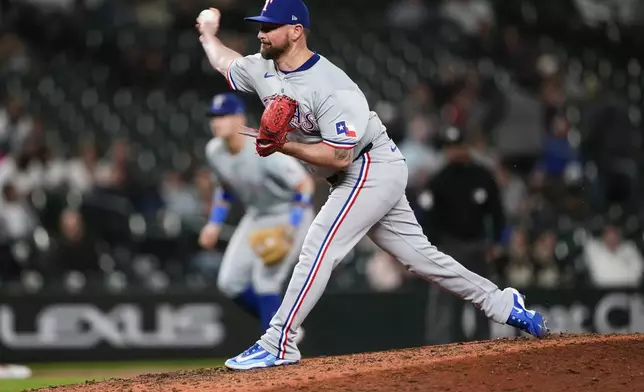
column 283, row 12
column 225, row 104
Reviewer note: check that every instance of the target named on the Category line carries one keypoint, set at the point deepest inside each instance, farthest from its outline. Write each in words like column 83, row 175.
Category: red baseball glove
column 274, row 125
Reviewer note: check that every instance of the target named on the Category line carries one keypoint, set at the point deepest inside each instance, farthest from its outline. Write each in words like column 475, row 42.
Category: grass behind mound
column 56, row 374
column 38, row 382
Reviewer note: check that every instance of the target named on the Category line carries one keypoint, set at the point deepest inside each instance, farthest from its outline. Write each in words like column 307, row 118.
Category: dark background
column 105, row 187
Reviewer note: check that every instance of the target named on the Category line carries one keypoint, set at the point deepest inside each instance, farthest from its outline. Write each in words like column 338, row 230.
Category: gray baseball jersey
column 266, row 187
column 332, row 109
column 367, row 199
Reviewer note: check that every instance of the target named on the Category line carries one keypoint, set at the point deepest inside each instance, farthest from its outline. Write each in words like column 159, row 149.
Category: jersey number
column 267, row 3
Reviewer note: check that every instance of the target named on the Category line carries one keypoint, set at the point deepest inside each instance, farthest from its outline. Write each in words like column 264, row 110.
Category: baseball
column 208, row 16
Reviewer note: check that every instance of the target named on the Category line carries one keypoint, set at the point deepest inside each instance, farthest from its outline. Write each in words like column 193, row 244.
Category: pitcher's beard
column 270, row 52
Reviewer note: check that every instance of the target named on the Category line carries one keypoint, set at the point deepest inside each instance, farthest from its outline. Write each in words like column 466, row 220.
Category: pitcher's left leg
column 399, row 234
column 354, row 205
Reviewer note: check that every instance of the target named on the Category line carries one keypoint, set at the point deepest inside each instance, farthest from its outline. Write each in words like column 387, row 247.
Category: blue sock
column 248, row 301
column 268, row 305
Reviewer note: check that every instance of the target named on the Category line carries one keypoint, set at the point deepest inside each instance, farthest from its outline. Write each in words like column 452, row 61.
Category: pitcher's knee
column 304, row 263
column 307, row 256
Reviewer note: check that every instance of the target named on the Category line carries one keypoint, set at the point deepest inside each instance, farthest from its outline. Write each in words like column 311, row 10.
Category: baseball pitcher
column 317, row 114
column 276, row 193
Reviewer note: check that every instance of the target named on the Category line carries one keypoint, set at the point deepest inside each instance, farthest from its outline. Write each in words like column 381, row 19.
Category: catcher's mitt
column 274, row 125
column 271, row 244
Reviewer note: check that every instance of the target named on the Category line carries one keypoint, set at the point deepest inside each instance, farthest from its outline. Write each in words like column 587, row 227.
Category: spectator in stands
column 63, row 6
column 408, row 14
column 180, row 197
column 615, row 146
column 205, row 186
column 53, row 169
column 392, row 118
column 153, row 14
column 121, row 177
column 483, row 152
column 25, row 168
column 423, row 160
column 546, row 273
column 559, row 157
column 553, row 99
column 519, row 57
column 514, row 193
column 464, row 102
column 16, row 215
column 7, row 168
column 74, row 249
column 472, row 16
column 115, row 170
column 449, row 77
column 10, row 268
column 15, row 126
column 613, row 262
column 475, row 105
column 33, row 141
column 13, row 54
column 420, row 100
column 22, row 172
column 86, row 169
column 490, row 104
column 518, row 269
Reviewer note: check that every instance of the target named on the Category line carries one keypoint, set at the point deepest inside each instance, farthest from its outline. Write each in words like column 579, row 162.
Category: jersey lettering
column 304, row 121
column 297, row 115
column 268, row 99
column 309, row 124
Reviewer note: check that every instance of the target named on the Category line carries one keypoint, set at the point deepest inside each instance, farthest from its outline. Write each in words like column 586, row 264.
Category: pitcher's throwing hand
column 208, row 23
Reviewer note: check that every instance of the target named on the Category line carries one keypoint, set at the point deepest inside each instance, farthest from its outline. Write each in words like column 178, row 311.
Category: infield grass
column 64, row 373
column 37, row 382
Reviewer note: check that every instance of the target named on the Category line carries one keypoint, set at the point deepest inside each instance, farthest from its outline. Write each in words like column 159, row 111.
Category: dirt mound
column 573, row 362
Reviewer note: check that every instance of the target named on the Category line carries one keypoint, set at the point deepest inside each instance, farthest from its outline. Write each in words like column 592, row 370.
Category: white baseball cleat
column 254, row 358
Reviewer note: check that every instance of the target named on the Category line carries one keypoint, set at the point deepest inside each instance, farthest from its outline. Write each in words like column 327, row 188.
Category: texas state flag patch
column 343, row 128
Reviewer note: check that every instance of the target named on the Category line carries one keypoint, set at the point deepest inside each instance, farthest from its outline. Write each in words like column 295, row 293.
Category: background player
column 339, row 138
column 276, row 193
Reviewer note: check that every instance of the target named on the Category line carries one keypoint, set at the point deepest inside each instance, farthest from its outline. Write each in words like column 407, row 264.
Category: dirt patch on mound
column 575, row 362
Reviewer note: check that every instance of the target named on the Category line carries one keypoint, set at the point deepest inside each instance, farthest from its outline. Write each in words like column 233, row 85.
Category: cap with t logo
column 225, row 104
column 283, row 12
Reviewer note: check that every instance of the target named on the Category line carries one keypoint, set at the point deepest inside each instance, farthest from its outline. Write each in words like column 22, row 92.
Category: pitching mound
column 561, row 362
